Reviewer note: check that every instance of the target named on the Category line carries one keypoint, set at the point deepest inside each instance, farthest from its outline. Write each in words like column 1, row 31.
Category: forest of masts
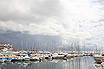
column 53, row 46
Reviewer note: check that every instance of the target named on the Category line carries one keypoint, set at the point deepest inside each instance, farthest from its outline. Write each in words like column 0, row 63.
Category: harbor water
column 72, row 63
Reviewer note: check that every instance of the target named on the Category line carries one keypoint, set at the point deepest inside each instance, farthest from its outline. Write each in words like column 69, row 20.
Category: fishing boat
column 98, row 56
column 102, row 64
column 100, row 61
column 19, row 58
column 48, row 56
column 57, row 56
column 1, row 60
column 26, row 57
column 13, row 60
column 69, row 56
column 6, row 59
column 35, row 58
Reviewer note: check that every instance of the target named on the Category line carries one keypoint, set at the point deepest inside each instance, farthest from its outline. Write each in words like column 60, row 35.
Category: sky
column 71, row 21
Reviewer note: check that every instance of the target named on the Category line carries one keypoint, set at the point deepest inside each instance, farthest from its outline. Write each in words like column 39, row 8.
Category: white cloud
column 65, row 18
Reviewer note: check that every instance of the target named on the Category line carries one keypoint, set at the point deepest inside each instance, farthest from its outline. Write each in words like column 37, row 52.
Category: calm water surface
column 73, row 63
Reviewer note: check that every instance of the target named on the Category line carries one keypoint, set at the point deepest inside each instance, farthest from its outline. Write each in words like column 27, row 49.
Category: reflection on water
column 73, row 63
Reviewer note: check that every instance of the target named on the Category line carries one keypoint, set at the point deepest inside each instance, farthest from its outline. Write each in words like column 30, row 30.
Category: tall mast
column 22, row 44
column 75, row 47
column 96, row 49
column 72, row 47
column 78, row 48
column 32, row 46
column 29, row 46
column 26, row 46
